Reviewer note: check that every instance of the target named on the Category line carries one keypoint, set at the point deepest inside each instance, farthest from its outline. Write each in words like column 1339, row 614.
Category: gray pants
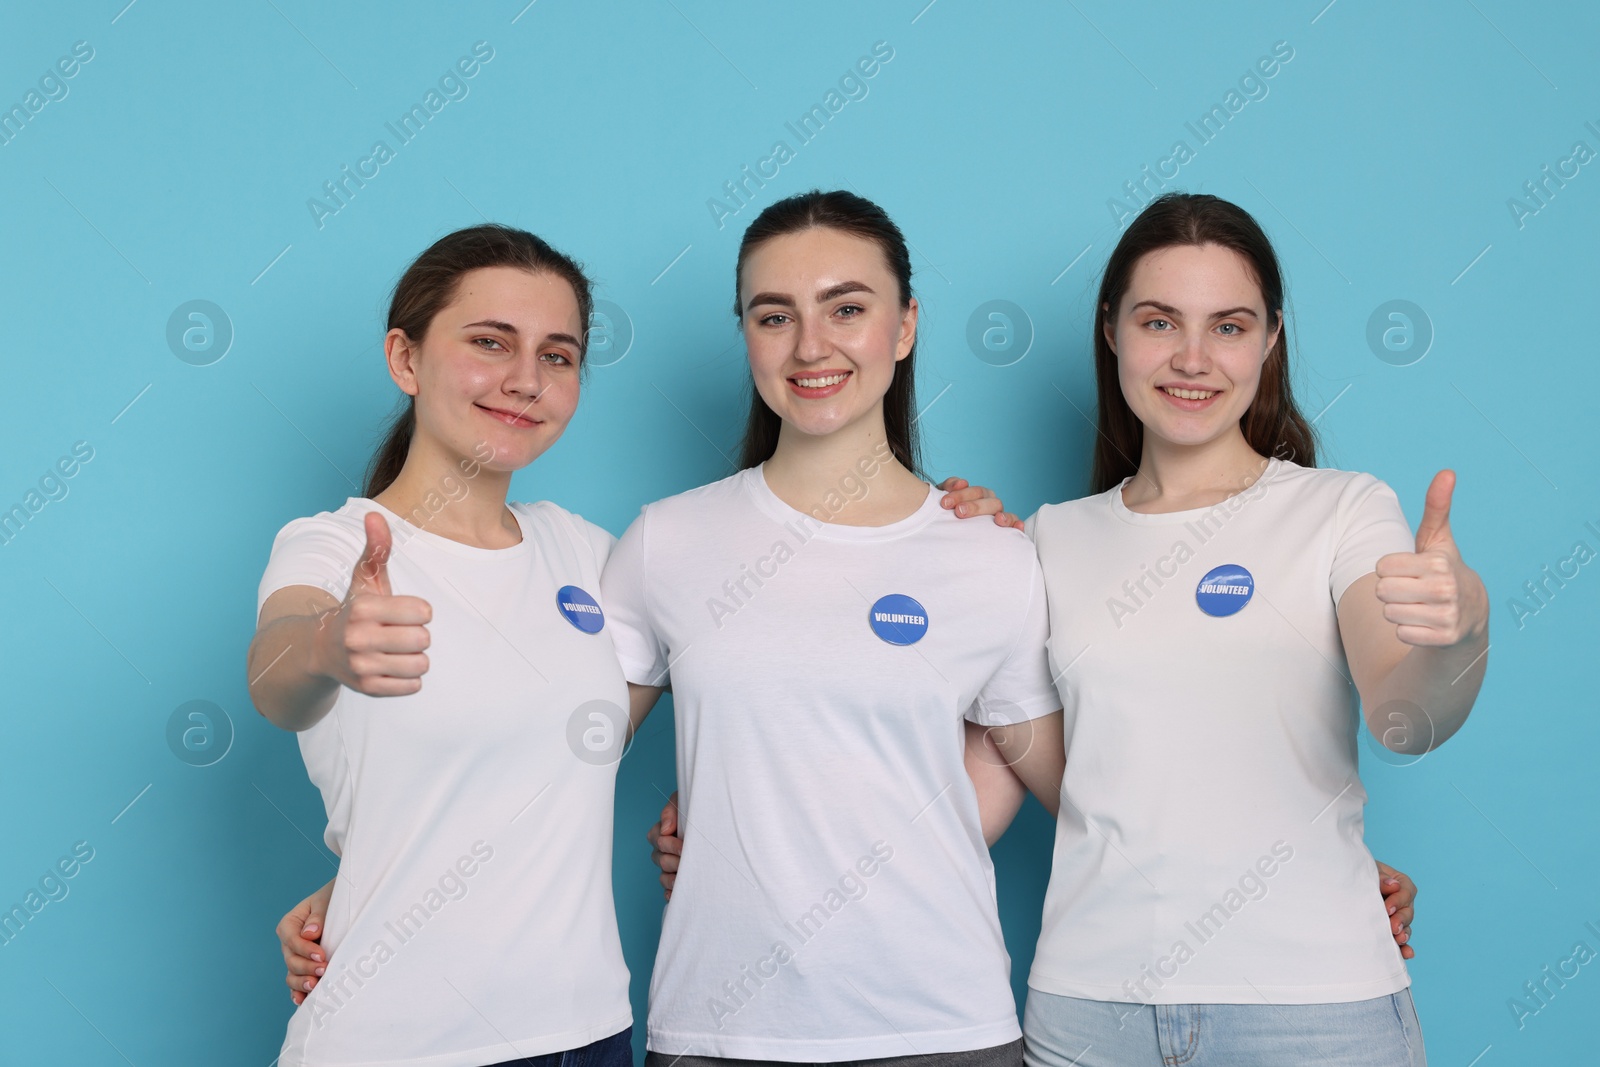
column 1008, row 1055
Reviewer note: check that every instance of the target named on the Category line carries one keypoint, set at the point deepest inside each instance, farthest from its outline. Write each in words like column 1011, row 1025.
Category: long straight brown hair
column 852, row 214
column 430, row 284
column 1273, row 424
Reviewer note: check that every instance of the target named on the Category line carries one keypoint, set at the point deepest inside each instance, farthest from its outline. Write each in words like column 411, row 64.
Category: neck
column 1174, row 477
column 453, row 496
column 851, row 473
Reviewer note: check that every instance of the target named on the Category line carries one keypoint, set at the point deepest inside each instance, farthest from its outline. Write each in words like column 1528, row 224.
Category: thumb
column 372, row 569
column 1434, row 529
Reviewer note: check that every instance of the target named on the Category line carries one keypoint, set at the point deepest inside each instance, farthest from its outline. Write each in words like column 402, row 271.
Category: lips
column 510, row 418
column 1187, row 398
column 814, row 385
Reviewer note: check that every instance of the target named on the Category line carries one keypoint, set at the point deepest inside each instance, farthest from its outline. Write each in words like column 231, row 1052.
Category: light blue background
column 179, row 166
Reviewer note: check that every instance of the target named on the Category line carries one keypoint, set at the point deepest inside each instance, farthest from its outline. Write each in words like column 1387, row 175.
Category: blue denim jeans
column 613, row 1051
column 1069, row 1032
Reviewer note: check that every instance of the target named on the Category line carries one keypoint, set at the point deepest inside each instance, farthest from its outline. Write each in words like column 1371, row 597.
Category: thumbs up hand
column 1432, row 597
column 374, row 642
column 372, row 569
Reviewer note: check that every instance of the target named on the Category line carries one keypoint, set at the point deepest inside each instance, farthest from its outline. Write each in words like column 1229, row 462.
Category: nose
column 525, row 377
column 1191, row 356
column 813, row 344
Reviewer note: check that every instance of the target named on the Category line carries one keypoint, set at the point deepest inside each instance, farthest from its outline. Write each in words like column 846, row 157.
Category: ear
column 401, row 355
column 908, row 330
column 1277, row 329
column 1111, row 335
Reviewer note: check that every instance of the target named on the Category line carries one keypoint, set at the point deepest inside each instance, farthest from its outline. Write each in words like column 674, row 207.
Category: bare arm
column 1006, row 763
column 287, row 681
column 1036, row 751
column 1000, row 791
column 641, row 698
column 1416, row 635
column 308, row 643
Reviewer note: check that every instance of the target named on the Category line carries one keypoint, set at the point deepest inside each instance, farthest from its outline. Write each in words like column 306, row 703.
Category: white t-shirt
column 835, row 899
column 1209, row 849
column 472, row 919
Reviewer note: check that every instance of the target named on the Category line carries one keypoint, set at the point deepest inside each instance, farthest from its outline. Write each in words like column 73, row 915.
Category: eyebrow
column 1170, row 310
column 493, row 324
column 833, row 292
column 506, row 327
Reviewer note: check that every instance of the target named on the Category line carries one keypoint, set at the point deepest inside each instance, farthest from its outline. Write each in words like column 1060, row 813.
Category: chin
column 814, row 426
column 1187, row 434
column 514, row 455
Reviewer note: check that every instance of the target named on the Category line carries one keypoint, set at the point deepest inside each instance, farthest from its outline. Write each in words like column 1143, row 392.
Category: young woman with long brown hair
column 835, row 900
column 1215, row 607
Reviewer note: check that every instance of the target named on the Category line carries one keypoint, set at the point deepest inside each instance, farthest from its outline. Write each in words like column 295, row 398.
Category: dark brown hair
column 430, row 284
column 852, row 214
column 1273, row 424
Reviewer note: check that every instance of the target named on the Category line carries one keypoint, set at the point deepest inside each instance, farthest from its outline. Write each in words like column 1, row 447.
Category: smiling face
column 497, row 371
column 1190, row 337
column 824, row 327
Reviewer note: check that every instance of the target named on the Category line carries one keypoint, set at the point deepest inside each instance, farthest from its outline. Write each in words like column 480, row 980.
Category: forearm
column 286, row 681
column 1036, row 751
column 641, row 698
column 1000, row 792
column 1441, row 681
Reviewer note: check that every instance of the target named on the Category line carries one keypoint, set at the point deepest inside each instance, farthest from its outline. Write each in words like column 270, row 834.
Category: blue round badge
column 898, row 619
column 580, row 608
column 1225, row 590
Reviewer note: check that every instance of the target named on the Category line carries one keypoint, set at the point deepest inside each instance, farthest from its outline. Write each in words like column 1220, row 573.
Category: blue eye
column 1231, row 326
column 771, row 320
column 1156, row 322
column 857, row 308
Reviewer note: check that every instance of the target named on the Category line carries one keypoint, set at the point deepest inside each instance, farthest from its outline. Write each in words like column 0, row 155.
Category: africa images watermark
column 1537, row 994
column 52, row 485
column 452, row 86
column 1538, row 192
column 1209, row 924
column 337, row 989
column 52, row 887
column 852, row 86
column 52, row 87
column 850, row 886
column 1137, row 592
column 1252, row 86
column 737, row 591
column 450, row 489
column 1538, row 593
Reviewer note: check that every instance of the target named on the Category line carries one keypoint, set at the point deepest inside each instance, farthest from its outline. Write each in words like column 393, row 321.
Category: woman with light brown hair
column 1215, row 609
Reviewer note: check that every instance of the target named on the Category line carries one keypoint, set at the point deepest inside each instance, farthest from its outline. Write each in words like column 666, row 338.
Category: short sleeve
column 1370, row 526
column 625, row 597
column 600, row 540
column 317, row 551
column 1022, row 688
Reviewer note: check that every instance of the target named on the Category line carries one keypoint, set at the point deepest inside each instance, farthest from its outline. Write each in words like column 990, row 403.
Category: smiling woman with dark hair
column 835, row 899
column 1213, row 610
column 384, row 645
